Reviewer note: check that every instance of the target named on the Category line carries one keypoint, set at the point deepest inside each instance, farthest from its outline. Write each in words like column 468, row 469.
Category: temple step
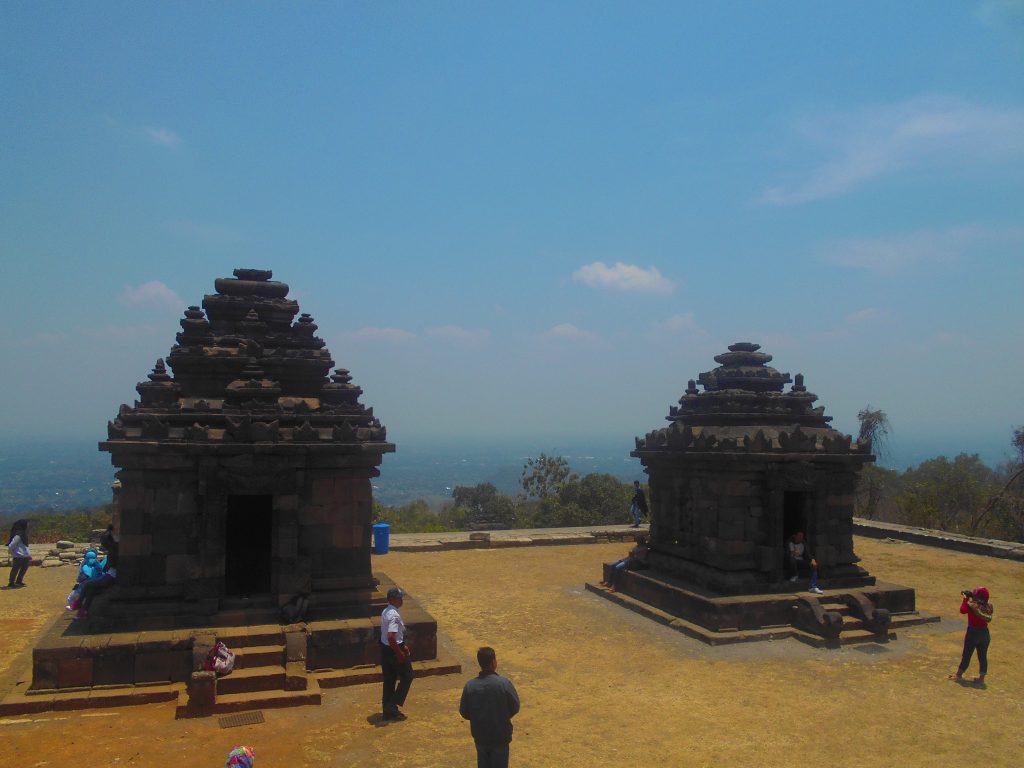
column 251, row 680
column 241, row 702
column 244, row 637
column 371, row 673
column 250, row 656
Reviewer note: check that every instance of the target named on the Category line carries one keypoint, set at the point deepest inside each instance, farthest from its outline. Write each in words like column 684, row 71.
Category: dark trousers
column 492, row 756
column 397, row 679
column 91, row 587
column 18, row 567
column 976, row 638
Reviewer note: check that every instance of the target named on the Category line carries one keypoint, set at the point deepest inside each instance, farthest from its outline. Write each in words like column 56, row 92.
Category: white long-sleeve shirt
column 18, row 548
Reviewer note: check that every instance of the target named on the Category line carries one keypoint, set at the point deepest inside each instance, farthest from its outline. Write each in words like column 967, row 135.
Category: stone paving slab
column 523, row 537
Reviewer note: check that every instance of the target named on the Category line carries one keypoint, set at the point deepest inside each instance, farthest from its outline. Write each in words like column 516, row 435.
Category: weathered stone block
column 202, row 691
column 136, row 544
column 74, row 673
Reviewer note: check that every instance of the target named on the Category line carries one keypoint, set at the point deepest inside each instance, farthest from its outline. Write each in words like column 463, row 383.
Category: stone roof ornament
column 244, row 353
column 745, row 409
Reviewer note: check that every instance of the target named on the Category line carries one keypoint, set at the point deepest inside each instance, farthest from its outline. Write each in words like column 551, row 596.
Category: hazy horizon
column 514, row 223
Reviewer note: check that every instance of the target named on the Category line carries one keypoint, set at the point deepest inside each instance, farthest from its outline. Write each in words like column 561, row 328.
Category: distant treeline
column 553, row 497
column 47, row 526
column 961, row 494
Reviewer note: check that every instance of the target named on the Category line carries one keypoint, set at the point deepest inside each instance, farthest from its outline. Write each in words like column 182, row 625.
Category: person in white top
column 17, row 545
column 394, row 657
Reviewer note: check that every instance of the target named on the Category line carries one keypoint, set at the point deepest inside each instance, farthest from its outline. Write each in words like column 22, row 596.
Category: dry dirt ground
column 600, row 685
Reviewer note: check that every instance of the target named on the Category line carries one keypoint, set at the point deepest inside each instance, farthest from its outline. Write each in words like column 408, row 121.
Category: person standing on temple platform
column 977, row 638
column 489, row 702
column 394, row 657
column 21, row 558
column 638, row 509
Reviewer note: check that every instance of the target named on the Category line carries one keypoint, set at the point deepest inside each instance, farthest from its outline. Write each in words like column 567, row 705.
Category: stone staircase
column 263, row 678
column 837, row 618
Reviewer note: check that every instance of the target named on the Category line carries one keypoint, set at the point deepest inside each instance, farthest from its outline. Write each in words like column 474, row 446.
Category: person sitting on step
column 799, row 560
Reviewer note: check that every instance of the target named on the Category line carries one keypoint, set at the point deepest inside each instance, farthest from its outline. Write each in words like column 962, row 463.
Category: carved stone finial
column 798, row 384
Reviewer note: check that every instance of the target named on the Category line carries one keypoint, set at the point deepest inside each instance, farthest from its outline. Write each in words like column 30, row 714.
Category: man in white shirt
column 394, row 657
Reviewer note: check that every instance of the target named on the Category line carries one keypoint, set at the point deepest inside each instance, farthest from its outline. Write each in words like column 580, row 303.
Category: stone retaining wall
column 1009, row 550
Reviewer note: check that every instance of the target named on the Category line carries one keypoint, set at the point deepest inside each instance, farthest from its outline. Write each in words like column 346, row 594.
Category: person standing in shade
column 489, row 702
column 394, row 657
column 638, row 508
column 17, row 545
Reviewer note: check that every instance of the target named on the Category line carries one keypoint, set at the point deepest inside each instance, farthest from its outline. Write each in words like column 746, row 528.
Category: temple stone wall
column 742, row 466
column 248, row 433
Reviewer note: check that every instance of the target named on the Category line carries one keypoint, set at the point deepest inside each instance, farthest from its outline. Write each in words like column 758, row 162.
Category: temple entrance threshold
column 248, row 538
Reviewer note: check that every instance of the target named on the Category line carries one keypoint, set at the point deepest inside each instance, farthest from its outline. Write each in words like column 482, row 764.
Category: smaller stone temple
column 243, row 514
column 740, row 468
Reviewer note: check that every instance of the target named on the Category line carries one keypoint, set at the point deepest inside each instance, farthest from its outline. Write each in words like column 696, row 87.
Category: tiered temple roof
column 245, row 372
column 743, row 409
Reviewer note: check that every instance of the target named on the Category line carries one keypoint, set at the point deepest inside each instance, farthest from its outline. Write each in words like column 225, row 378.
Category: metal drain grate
column 243, row 718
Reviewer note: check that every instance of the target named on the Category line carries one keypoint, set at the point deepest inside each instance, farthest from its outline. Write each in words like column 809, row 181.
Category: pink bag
column 219, row 659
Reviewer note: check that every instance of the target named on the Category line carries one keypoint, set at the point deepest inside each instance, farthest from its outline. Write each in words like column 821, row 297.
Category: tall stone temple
column 244, row 514
column 740, row 468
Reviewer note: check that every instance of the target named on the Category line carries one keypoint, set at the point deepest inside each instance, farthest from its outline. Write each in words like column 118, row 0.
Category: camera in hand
column 968, row 594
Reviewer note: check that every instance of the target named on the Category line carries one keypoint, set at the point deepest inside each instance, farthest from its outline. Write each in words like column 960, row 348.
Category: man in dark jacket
column 489, row 702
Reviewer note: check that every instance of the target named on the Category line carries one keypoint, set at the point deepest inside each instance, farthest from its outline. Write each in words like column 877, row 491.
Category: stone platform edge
column 531, row 537
column 929, row 537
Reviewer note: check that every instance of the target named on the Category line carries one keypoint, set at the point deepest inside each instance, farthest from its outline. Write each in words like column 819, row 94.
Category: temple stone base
column 840, row 616
column 276, row 664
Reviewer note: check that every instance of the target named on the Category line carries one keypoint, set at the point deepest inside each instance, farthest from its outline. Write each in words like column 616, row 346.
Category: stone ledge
column 533, row 537
column 1009, row 550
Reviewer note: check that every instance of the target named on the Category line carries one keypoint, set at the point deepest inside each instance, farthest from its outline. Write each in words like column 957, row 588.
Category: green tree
column 545, row 475
column 877, row 488
column 602, row 498
column 944, row 494
column 484, row 501
column 874, row 429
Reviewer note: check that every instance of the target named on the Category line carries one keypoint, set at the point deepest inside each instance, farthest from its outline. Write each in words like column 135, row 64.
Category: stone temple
column 244, row 474
column 741, row 467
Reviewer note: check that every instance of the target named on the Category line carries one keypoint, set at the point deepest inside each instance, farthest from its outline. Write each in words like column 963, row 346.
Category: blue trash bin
column 381, row 535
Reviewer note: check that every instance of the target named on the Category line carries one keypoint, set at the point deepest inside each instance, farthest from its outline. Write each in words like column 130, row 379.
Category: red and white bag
column 219, row 659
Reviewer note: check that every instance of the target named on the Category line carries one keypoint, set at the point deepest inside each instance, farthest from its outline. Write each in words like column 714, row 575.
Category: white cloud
column 889, row 255
column 459, row 334
column 569, row 332
column 154, row 294
column 678, row 324
column 164, row 137
column 865, row 315
column 877, row 141
column 623, row 277
column 388, row 335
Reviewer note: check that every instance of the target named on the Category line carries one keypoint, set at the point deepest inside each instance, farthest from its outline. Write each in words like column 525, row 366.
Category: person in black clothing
column 489, row 702
column 638, row 509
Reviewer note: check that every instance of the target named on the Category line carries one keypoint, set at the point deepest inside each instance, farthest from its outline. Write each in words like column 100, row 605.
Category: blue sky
column 521, row 221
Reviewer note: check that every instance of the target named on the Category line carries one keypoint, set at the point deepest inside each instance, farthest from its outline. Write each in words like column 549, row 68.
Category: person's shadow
column 377, row 720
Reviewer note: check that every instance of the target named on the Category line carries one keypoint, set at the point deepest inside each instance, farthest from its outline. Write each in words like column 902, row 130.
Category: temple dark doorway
column 794, row 513
column 248, row 537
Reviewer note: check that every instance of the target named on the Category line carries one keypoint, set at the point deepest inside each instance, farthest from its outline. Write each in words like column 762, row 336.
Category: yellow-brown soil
column 600, row 686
